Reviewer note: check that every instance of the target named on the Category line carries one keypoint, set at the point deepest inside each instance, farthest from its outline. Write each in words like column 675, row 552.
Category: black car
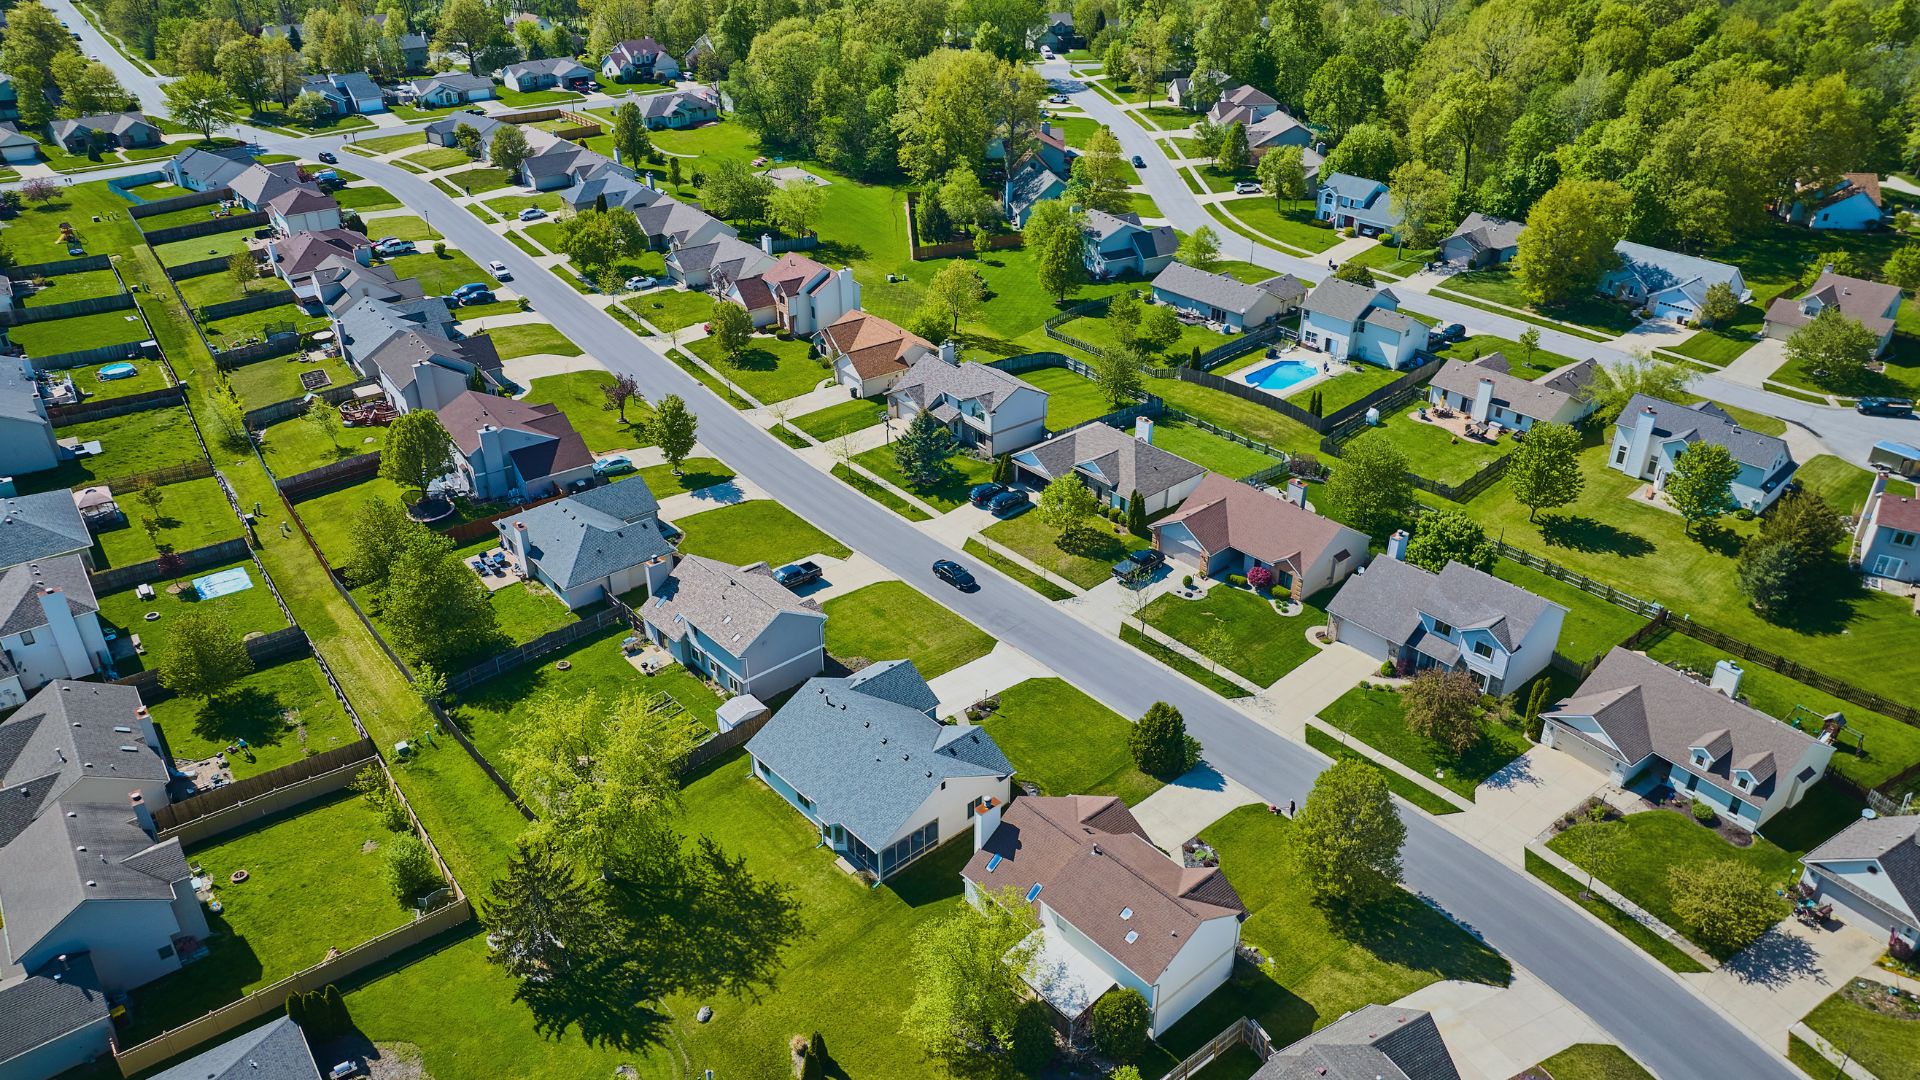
column 1139, row 162
column 1138, row 565
column 327, row 156
column 955, row 575
column 1884, row 406
column 1449, row 332
column 1008, row 503
column 982, row 494
column 795, row 575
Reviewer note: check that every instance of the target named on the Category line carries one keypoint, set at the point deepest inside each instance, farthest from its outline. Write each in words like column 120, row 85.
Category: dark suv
column 1138, row 565
column 982, row 494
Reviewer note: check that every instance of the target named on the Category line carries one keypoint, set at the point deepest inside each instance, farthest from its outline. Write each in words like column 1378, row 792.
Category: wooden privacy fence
column 93, row 305
column 104, row 354
column 172, row 474
column 60, row 267
column 188, row 201
column 1242, row 1032
column 265, row 651
column 553, row 641
column 269, row 415
column 121, row 578
column 252, row 302
column 203, row 267
column 98, row 409
column 169, row 819
column 242, row 355
column 919, row 252
column 339, row 474
column 213, row 226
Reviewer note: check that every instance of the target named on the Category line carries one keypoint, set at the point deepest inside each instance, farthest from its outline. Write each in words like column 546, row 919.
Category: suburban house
column 619, row 189
column 559, row 71
column 1035, row 174
column 1226, row 527
column 1852, row 203
column 1651, row 433
column 796, row 294
column 589, row 546
column 1242, row 105
column 27, row 441
column 1357, row 203
column 339, row 281
column 1869, row 303
column 718, row 260
column 1489, row 393
column 868, row 352
column 1277, row 129
column 9, row 98
column 273, row 1051
column 1460, row 619
column 988, row 410
column 58, row 1019
column 413, row 46
column 1199, row 88
column 669, row 223
column 207, row 170
column 16, row 146
column 44, row 525
column 1353, row 322
column 448, row 89
column 1482, row 241
column 640, row 60
column 1113, row 910
column 1225, row 299
column 1671, row 285
column 1870, row 873
column 1057, row 33
column 1267, row 124
column 1372, row 1042
column 1888, row 536
column 734, row 625
column 108, row 131
column 1648, row 726
column 866, row 762
column 1113, row 464
column 297, row 259
column 294, row 203
column 1118, row 244
column 49, row 626
column 348, row 94
column 679, row 109
column 410, row 347
column 508, row 450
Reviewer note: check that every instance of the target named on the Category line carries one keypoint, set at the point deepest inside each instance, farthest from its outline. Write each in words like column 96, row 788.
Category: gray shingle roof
column 1377, row 1042
column 1540, row 400
column 458, row 81
column 209, row 169
column 40, row 526
column 54, row 1001
column 1213, row 290
column 69, row 729
column 1123, row 462
column 1485, row 233
column 1893, row 842
column 931, row 377
column 562, row 66
column 21, row 588
column 588, row 536
column 19, row 390
column 1658, row 268
column 275, row 1051
column 76, row 852
column 731, row 605
column 1389, row 597
column 867, row 762
column 1344, row 301
column 897, row 681
column 1704, row 422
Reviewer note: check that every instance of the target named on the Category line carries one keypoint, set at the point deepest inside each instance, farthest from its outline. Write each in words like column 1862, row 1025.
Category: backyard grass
column 1015, row 571
column 696, row 474
column 278, row 379
column 770, row 368
column 1499, row 286
column 331, row 517
column 1224, row 410
column 1071, row 399
column 837, row 420
column 891, row 619
column 1239, row 629
column 296, row 445
column 1377, row 718
column 1349, row 385
column 1592, row 625
column 755, row 530
column 195, row 513
column 1520, row 362
column 528, row 339
column 80, row 332
column 1065, row 743
column 1591, row 1061
column 1669, row 954
column 1033, row 538
column 1289, row 224
column 313, row 883
column 1180, row 663
column 284, row 712
column 440, row 274
column 67, row 288
column 257, row 325
column 209, row 289
column 175, row 252
column 873, row 489
column 249, row 611
column 1887, row 1045
column 1399, row 785
column 525, row 610
column 1095, row 330
column 148, row 375
column 582, row 396
column 1432, row 451
column 1210, row 451
column 134, row 443
column 963, row 473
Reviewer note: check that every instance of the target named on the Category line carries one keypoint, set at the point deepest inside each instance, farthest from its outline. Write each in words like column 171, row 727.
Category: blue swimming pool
column 1282, row 375
column 120, row 370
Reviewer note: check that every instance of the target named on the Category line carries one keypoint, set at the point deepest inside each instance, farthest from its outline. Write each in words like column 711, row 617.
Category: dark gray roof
column 22, row 586
column 445, row 127
column 274, row 1051
column 1704, row 422
column 454, row 80
column 76, row 852
column 1214, row 290
column 69, row 729
column 56, row 1000
column 40, row 527
column 19, row 390
column 1540, row 400
column 1031, row 182
column 565, row 66
column 897, row 681
column 1345, row 301
column 210, row 169
column 1658, row 269
column 1893, row 842
column 1377, row 1042
column 1358, row 188
column 930, row 378
column 1486, row 233
column 679, row 101
column 732, row 605
column 1123, row 462
column 1143, row 241
column 867, row 762
column 1389, row 597
column 591, row 535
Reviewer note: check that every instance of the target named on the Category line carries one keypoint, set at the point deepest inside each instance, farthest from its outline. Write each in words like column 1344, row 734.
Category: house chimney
column 766, row 243
column 1397, row 545
column 1297, row 492
column 1640, row 446
column 1726, row 677
column 1143, row 429
column 1046, row 127
column 141, row 812
column 986, row 818
column 1483, row 400
column 650, row 186
column 950, row 353
column 658, row 571
column 1868, row 510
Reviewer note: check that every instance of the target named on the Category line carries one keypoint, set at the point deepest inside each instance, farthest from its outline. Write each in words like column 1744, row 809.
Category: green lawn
column 527, row 610
column 1406, row 789
column 294, row 446
column 837, row 420
column 1257, row 643
column 365, row 197
column 1065, row 743
column 581, row 395
column 249, row 611
column 435, row 158
column 195, row 513
column 79, row 332
column 872, row 489
column 1071, row 399
column 34, row 235
column 1722, row 345
column 134, row 443
column 1376, row 717
column 401, row 226
column 255, row 325
column 1095, row 330
column 1031, row 537
column 1592, row 1061
column 209, row 289
column 509, row 206
column 1520, row 362
column 313, row 884
column 890, row 619
column 770, row 368
column 480, row 179
column 269, row 381
column 963, row 474
column 756, row 530
column 1210, row 451
column 521, row 99
column 148, row 375
column 1498, row 285
column 1290, row 224
column 1198, row 673
column 175, row 252
column 1392, row 259
column 330, row 517
column 1899, row 376
column 1015, row 570
column 1432, row 451
column 1350, row 384
column 1666, row 952
column 528, row 339
column 284, row 712
column 439, row 274
column 1224, row 410
column 386, row 144
column 1592, row 625
column 1842, row 483
column 1877, row 1031
column 68, row 288
column 696, row 474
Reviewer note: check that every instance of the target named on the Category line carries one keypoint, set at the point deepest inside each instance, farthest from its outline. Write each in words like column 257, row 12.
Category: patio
column 494, row 570
column 1462, row 426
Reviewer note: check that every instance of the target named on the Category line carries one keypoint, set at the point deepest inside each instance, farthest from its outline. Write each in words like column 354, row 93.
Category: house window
column 1441, row 628
column 26, row 637
column 1900, row 539
column 1620, row 455
column 1482, row 649
column 166, row 952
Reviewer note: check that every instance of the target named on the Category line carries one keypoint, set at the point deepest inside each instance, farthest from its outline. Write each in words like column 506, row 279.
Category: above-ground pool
column 1282, row 375
column 231, row 580
column 120, row 370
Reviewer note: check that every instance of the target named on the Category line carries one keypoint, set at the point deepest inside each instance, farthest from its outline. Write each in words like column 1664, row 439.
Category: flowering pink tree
column 1260, row 579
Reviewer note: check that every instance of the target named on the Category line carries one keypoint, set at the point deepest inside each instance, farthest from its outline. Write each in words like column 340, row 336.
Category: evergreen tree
column 1159, row 742
column 1137, row 514
column 539, row 915
column 923, row 451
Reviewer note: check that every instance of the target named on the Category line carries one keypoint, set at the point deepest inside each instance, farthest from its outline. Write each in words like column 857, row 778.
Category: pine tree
column 1137, row 514
column 297, row 1009
column 923, row 451
column 335, row 1009
column 538, row 914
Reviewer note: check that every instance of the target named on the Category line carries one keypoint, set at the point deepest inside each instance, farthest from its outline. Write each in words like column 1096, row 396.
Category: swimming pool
column 222, row 582
column 120, row 370
column 1282, row 375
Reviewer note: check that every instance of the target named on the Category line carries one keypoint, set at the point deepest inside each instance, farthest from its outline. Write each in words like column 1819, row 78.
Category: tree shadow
column 1824, row 601
column 1718, row 539
column 1777, row 959
column 1410, row 931
column 244, row 713
column 603, row 1019
column 1587, row 534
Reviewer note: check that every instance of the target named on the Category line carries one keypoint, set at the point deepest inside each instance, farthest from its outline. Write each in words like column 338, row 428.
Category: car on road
column 532, row 213
column 327, row 157
column 1139, row 162
column 1448, row 332
column 1883, row 406
column 798, row 575
column 1246, row 187
column 1138, row 565
column 616, row 465
column 1008, row 503
column 982, row 494
column 955, row 575
column 74, row 34
column 499, row 271
column 638, row 282
column 1057, row 99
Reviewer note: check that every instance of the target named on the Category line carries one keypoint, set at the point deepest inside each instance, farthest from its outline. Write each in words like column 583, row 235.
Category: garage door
column 1850, row 909
column 1580, row 749
column 1183, row 549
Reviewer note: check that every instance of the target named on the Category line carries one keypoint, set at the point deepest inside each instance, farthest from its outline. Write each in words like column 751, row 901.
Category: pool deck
column 1323, row 371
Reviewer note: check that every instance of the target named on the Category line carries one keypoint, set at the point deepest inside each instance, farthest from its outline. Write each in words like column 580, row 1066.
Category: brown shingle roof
column 875, row 346
column 465, row 415
column 1898, row 512
column 1223, row 513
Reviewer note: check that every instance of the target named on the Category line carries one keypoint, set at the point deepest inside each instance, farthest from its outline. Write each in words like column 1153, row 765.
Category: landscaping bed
column 889, row 620
column 1377, row 717
column 1065, row 743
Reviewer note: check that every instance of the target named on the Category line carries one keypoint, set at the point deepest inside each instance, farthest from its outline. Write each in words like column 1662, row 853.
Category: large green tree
column 1370, row 480
column 1444, row 536
column 1444, row 706
column 1568, row 242
column 1543, row 471
column 967, row 969
column 1833, row 347
column 1724, row 904
column 1054, row 241
column 630, row 138
column 203, row 656
column 1342, row 94
column 1159, row 742
column 1349, row 836
column 924, row 451
column 418, row 451
column 464, row 26
column 1700, row 485
column 596, row 240
column 200, row 101
column 433, row 608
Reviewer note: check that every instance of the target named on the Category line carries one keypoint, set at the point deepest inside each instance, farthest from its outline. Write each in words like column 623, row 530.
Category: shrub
column 1703, row 812
column 1120, row 1021
column 1186, row 581
column 1032, row 1039
column 409, row 870
column 1159, row 742
column 1259, row 578
column 440, row 248
column 1386, row 669
column 1238, row 581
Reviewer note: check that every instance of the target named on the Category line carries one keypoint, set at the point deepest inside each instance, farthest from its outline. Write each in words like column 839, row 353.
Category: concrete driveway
column 1494, row 1032
column 985, row 677
column 1517, row 803
column 1183, row 809
column 1781, row 977
column 1314, row 685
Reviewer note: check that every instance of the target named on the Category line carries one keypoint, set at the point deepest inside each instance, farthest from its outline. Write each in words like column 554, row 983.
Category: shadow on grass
column 1587, row 534
column 1406, row 930
column 222, row 976
column 248, row 713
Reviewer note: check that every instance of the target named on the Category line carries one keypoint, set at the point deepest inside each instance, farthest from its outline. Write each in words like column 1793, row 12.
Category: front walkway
column 1184, row 808
column 1521, row 801
column 1496, row 1031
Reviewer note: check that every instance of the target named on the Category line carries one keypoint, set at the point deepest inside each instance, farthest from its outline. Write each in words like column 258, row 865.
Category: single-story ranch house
column 1113, row 465
column 1486, row 391
column 1870, row 873
column 1226, row 527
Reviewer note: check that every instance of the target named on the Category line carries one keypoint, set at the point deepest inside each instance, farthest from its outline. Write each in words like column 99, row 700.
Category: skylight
column 1133, row 936
column 993, row 864
column 1033, row 892
column 1126, row 913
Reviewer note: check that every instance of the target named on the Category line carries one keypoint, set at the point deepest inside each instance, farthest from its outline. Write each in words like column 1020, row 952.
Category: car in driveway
column 1883, row 406
column 474, row 299
column 470, row 287
column 955, row 575
column 616, row 465
column 1246, row 187
column 327, row 156
column 798, row 575
column 638, row 282
column 1008, row 503
column 1138, row 565
column 392, row 246
column 982, row 494
column 499, row 271
column 532, row 213
column 1447, row 332
column 1057, row 99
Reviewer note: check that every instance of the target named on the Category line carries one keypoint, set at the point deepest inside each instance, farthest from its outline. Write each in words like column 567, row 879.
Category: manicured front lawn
column 1289, row 224
column 1392, row 259
column 435, row 158
column 195, row 513
column 1883, row 1036
column 770, row 368
column 1432, row 451
column 696, row 474
column 278, row 379
column 313, row 883
column 1071, row 399
column 248, row 611
column 134, row 443
column 1033, row 538
column 365, row 197
column 1257, row 643
column 1520, row 362
column 476, row 180
column 1210, row 451
column 582, row 396
column 1576, row 890
column 889, row 620
column 1016, row 571
column 837, row 420
column 1065, row 743
column 1590, row 1061
column 527, row 339
column 755, row 530
column 509, row 206
column 963, row 474
column 1377, row 718
column 1842, row 483
column 1591, row 626
column 1722, row 345
column 1499, row 286
column 386, row 144
column 80, row 332
column 284, row 712
column 439, row 274
column 400, row 226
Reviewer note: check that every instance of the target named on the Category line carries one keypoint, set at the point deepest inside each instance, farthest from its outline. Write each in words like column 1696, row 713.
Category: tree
column 1725, row 904
column 1720, row 305
column 1421, row 195
column 33, row 40
column 1371, row 481
column 596, row 240
column 1120, row 1022
column 88, row 87
column 199, row 101
column 378, row 529
column 1369, row 149
column 1766, row 573
column 630, row 138
column 539, row 915
column 409, row 868
column 1445, row 536
column 1356, row 272
column 1234, row 154
column 308, row 109
column 1200, row 249
column 923, row 450
column 1594, row 846
column 957, row 291
column 203, row 656
column 1099, row 175
column 1342, row 94
column 464, row 26
column 795, row 206
column 1349, row 835
column 1807, row 524
column 951, row 103
column 732, row 330
column 282, row 67
column 673, row 429
column 1700, row 485
column 1568, row 242
column 1159, row 742
column 243, row 269
column 1282, row 174
column 1903, row 267
column 1123, row 316
column 324, row 419
column 601, row 770
column 1137, row 514
column 1615, row 385
column 1053, row 238
column 418, row 451
column 621, row 392
column 433, row 608
column 1833, row 347
column 1117, row 372
column 1444, row 706
column 242, row 65
column 374, row 789
column 467, row 138
column 508, row 148
column 1159, row 328
column 967, row 979
column 1033, row 1043
column 1064, row 506
column 39, row 189
column 965, row 201
column 1543, row 471
column 732, row 191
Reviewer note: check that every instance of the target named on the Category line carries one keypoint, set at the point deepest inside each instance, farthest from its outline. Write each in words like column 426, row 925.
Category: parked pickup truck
column 1138, row 565
column 796, row 575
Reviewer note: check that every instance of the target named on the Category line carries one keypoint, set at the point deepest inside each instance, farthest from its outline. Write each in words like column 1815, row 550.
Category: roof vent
column 90, row 883
column 129, row 748
column 80, row 847
column 123, row 729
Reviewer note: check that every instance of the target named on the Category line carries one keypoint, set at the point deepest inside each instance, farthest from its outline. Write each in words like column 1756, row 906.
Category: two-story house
column 1888, row 536
column 1651, row 434
column 1225, row 527
column 49, row 626
column 294, row 203
column 1348, row 321
column 987, row 409
column 589, row 546
column 1113, row 909
column 1117, row 244
column 1459, row 619
column 1357, row 203
column 796, row 294
column 1667, row 283
column 1648, row 726
column 1852, row 203
column 639, row 60
column 1482, row 240
column 1488, row 392
column 410, row 345
column 346, row 93
column 1870, row 873
column 864, row 760
column 27, row 442
column 1113, row 464
column 1227, row 300
column 734, row 625
column 508, row 450
column 44, row 525
column 1035, row 174
column 1057, row 33
column 868, row 353
column 1869, row 303
column 1242, row 105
